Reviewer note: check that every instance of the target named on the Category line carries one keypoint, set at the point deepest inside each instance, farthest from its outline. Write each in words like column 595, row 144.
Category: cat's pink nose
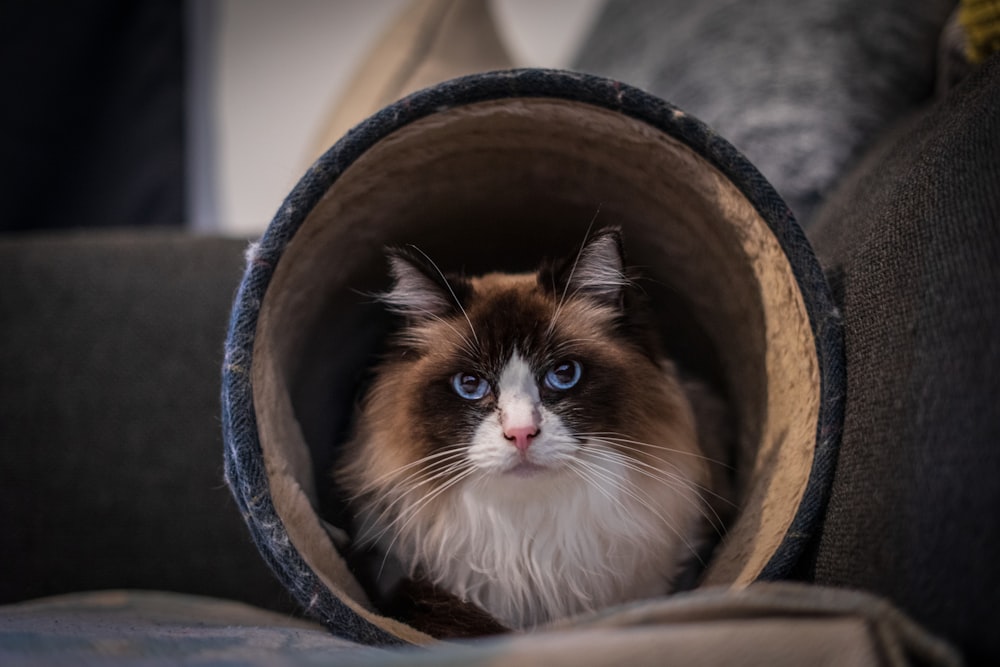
column 521, row 436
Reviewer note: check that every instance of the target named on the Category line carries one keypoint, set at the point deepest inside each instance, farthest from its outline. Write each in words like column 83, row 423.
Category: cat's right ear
column 419, row 290
column 597, row 272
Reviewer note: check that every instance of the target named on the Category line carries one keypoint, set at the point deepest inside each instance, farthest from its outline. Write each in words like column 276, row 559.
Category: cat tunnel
column 495, row 172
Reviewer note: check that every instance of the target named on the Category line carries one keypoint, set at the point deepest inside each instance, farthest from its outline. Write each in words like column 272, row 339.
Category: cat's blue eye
column 469, row 386
column 563, row 375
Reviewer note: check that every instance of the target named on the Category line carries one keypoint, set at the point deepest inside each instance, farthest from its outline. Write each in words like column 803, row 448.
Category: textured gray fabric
column 156, row 628
column 769, row 625
column 800, row 88
column 110, row 445
column 912, row 244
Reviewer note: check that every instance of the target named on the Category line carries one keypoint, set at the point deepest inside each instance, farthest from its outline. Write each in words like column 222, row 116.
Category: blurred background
column 204, row 113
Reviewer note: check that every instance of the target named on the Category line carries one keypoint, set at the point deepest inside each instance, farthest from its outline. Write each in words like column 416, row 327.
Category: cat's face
column 514, row 378
column 520, row 386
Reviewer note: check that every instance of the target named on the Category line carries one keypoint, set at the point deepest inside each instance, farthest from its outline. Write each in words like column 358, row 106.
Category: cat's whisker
column 411, row 511
column 646, row 503
column 414, row 481
column 452, row 291
column 589, row 474
column 378, row 526
column 675, row 481
column 438, row 457
column 668, row 479
column 679, row 475
column 666, row 475
column 407, row 486
column 644, row 500
column 584, row 472
column 615, row 445
column 402, row 493
column 569, row 279
column 611, row 436
column 622, row 484
column 416, row 340
column 451, row 474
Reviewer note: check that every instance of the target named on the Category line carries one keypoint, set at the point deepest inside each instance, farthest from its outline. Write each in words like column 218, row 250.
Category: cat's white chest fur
column 531, row 557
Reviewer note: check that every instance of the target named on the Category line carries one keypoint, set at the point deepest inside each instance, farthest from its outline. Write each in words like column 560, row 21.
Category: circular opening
column 500, row 185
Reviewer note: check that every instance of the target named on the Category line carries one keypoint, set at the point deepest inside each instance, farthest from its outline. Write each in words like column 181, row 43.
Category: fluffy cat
column 525, row 446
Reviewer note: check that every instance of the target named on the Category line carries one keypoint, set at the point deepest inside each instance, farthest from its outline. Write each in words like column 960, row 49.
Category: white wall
column 277, row 68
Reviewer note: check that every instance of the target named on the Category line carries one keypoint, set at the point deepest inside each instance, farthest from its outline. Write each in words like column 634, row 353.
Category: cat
column 525, row 446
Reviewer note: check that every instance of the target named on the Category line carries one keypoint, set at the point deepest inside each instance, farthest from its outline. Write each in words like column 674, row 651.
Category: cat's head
column 515, row 376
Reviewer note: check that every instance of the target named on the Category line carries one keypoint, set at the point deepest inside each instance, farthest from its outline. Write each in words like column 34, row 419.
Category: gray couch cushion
column 111, row 456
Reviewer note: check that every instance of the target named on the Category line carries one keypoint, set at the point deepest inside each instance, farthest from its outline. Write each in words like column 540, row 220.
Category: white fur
column 546, row 544
column 517, row 397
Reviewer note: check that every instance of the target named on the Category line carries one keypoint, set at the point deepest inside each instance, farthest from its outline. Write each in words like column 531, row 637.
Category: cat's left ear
column 419, row 291
column 598, row 272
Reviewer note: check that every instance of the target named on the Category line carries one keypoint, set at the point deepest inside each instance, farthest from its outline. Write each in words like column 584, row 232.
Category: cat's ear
column 419, row 290
column 598, row 271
